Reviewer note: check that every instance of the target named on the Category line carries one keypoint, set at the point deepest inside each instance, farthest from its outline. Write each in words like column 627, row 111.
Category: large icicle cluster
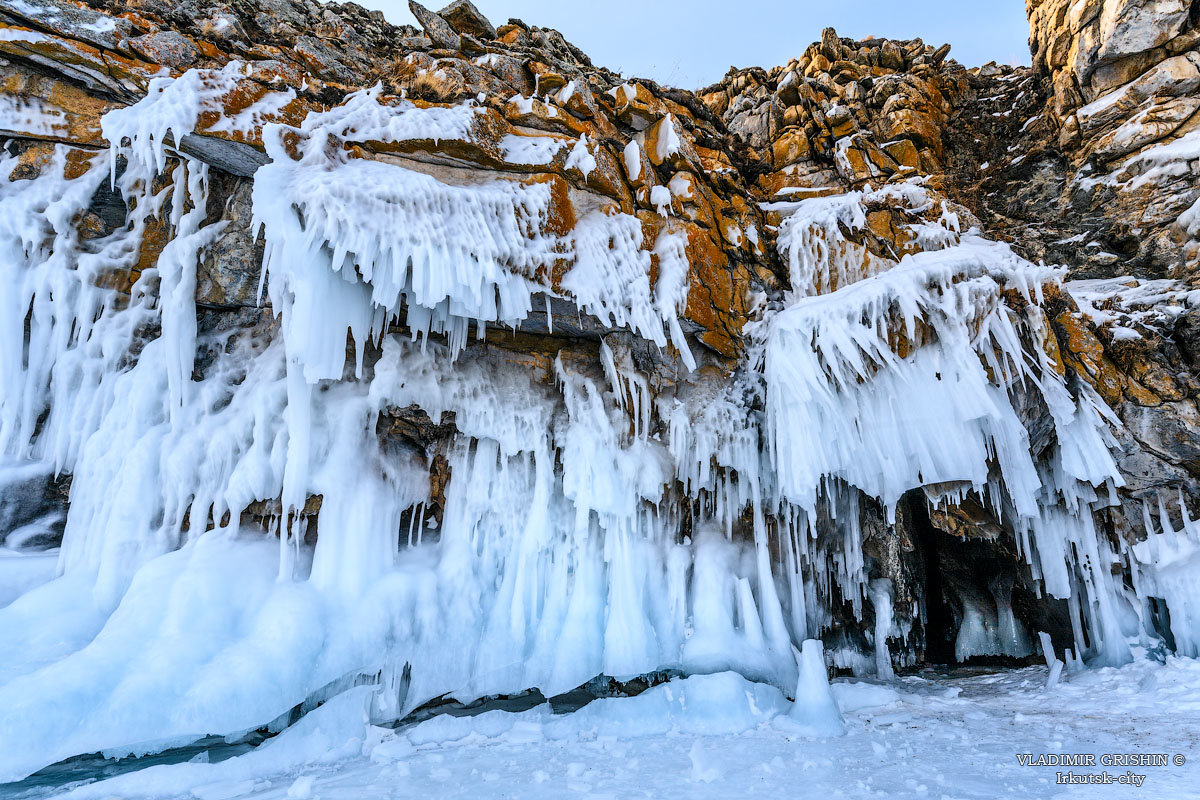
column 556, row 560
column 884, row 379
column 342, row 230
column 598, row 520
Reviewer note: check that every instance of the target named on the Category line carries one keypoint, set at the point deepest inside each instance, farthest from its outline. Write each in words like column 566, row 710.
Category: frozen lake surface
column 955, row 734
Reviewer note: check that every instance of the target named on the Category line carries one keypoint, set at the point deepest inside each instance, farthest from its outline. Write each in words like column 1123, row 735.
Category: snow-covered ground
column 21, row 570
column 954, row 735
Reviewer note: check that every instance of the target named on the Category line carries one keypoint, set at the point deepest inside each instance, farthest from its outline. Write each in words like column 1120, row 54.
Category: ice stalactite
column 104, row 416
column 1012, row 636
column 177, row 274
column 821, row 259
column 167, row 113
column 370, row 238
column 1164, row 569
column 881, row 598
column 556, row 559
column 843, row 404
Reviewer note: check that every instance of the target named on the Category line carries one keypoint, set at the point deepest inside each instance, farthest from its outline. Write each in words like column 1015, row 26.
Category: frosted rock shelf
column 333, row 403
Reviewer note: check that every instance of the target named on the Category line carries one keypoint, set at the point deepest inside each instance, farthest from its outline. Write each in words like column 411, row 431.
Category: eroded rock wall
column 1120, row 83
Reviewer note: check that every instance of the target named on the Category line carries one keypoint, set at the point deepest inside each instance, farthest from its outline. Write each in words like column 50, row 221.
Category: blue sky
column 691, row 44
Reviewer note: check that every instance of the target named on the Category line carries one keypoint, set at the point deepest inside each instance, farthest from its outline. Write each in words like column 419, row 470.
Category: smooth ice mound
column 560, row 553
column 815, row 710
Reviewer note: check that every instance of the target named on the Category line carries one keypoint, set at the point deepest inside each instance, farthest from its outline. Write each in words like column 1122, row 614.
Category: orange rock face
column 843, row 113
column 70, row 78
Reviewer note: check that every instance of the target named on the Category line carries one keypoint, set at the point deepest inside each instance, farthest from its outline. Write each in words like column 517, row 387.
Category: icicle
column 881, row 599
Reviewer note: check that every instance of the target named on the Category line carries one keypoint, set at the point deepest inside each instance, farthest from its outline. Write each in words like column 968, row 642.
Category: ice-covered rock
column 459, row 370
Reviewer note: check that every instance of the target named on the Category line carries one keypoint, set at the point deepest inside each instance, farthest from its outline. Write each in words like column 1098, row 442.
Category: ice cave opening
column 981, row 606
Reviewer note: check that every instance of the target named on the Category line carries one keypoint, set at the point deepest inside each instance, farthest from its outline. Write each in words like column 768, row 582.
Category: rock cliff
column 901, row 334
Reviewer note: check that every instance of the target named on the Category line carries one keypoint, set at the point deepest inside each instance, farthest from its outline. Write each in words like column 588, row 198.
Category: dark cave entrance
column 978, row 579
column 940, row 626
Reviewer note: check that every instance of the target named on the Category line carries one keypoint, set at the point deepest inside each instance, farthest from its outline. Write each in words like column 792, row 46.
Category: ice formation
column 1165, row 566
column 815, row 708
column 560, row 554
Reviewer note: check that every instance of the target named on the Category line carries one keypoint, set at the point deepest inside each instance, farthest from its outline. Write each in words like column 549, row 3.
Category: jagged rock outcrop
column 1121, row 80
column 1083, row 160
column 301, row 58
column 1094, row 165
column 845, row 112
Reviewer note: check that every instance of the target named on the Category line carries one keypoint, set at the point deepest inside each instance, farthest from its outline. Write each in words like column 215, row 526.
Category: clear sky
column 691, row 43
